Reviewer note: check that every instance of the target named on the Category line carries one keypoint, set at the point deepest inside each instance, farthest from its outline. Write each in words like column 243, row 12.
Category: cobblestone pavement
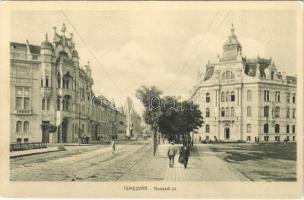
column 131, row 162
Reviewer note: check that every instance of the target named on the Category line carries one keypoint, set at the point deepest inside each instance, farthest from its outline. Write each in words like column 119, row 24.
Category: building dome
column 75, row 54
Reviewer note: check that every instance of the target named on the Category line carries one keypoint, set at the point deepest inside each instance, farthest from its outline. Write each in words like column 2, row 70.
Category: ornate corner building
column 48, row 86
column 245, row 99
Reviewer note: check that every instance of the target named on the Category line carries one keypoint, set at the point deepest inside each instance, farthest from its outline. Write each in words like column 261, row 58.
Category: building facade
column 49, row 87
column 133, row 120
column 245, row 99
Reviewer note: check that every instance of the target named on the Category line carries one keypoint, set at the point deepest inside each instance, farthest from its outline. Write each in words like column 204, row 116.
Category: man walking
column 171, row 154
column 113, row 145
column 184, row 154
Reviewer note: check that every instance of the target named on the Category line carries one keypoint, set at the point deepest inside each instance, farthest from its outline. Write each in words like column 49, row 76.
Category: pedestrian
column 184, row 154
column 113, row 145
column 171, row 154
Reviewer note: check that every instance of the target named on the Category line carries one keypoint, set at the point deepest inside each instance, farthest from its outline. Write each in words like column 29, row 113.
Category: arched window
column 232, row 96
column 232, row 111
column 223, row 112
column 227, row 112
column 277, row 128
column 277, row 112
column 207, row 112
column 46, row 81
column 287, row 129
column 222, row 96
column 227, row 96
column 293, row 128
column 19, row 126
column 207, row 97
column 266, row 128
column 26, row 127
column 249, row 95
column 248, row 111
column 266, row 111
column 207, row 128
column 272, row 75
column 248, row 128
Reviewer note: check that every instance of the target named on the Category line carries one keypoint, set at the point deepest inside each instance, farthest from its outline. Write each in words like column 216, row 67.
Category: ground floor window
column 248, row 138
column 207, row 137
column 293, row 128
column 293, row 138
column 277, row 138
column 266, row 138
column 287, row 138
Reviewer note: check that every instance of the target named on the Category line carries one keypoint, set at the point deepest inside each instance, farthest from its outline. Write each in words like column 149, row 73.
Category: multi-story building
column 245, row 99
column 48, row 86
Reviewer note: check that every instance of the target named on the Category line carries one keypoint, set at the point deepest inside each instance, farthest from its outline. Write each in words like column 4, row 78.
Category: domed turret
column 46, row 44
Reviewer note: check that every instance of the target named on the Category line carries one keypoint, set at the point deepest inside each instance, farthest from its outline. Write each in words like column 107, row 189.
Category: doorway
column 227, row 133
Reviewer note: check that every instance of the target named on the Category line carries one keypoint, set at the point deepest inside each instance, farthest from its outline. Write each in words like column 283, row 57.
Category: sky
column 165, row 48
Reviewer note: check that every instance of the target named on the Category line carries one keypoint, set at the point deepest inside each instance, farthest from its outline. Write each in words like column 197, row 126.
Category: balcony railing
column 23, row 112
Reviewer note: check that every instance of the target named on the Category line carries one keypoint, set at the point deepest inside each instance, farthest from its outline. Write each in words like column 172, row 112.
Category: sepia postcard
column 151, row 99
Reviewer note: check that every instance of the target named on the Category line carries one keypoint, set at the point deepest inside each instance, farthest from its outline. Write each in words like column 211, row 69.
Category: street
column 130, row 162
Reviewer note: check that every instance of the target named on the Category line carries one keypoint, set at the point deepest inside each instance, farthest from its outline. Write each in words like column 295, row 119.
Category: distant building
column 48, row 86
column 245, row 99
column 134, row 128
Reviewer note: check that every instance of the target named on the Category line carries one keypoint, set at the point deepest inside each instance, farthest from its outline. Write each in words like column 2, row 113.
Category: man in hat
column 171, row 154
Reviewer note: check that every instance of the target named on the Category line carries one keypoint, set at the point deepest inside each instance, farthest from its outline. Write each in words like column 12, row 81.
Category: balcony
column 64, row 91
column 23, row 112
column 46, row 91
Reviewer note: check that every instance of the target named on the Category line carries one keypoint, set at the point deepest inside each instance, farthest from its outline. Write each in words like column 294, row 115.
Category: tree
column 169, row 115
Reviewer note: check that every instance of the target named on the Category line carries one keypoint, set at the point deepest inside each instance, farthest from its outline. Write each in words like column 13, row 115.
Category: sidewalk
column 15, row 154
column 202, row 166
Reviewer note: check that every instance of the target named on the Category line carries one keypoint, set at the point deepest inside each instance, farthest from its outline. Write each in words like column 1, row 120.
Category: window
column 58, row 80
column 248, row 138
column 266, row 111
column 266, row 138
column 41, row 81
column 266, row 95
column 207, row 128
column 207, row 97
column 26, row 127
column 227, row 112
column 22, row 98
column 48, row 104
column 287, row 129
column 288, row 97
column 223, row 76
column 46, row 81
column 232, row 112
column 227, row 96
column 58, row 102
column 272, row 75
column 277, row 96
column 19, row 126
column 277, row 112
column 232, row 96
column 248, row 111
column 293, row 128
column 277, row 128
column 43, row 104
column 248, row 128
column 266, row 128
column 293, row 138
column 222, row 96
column 294, row 98
column 277, row 138
column 223, row 112
column 207, row 112
column 294, row 113
column 249, row 95
column 288, row 113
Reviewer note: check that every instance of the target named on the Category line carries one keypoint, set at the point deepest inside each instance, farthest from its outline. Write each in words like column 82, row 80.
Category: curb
column 35, row 153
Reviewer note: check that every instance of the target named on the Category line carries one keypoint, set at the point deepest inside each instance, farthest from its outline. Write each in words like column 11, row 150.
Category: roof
column 35, row 49
column 209, row 72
